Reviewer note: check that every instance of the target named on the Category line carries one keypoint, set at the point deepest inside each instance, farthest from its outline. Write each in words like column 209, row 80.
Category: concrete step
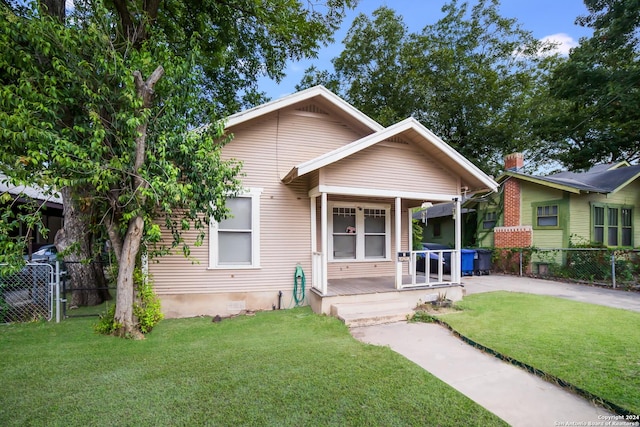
column 371, row 313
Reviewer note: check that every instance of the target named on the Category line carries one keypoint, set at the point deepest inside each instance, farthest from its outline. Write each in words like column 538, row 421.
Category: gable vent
column 397, row 140
column 312, row 108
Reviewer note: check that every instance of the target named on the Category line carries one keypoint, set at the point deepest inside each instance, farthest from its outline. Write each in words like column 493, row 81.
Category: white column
column 455, row 277
column 398, row 231
column 323, row 232
column 314, row 225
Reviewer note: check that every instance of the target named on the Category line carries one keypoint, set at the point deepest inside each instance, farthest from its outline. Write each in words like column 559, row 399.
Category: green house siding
column 575, row 218
column 536, row 196
column 581, row 225
column 484, row 235
column 447, row 231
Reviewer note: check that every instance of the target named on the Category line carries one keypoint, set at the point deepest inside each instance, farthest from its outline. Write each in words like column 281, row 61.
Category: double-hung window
column 235, row 241
column 612, row 225
column 359, row 232
column 547, row 216
column 489, row 221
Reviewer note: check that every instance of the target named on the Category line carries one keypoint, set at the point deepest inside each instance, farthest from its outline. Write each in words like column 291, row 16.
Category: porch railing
column 432, row 267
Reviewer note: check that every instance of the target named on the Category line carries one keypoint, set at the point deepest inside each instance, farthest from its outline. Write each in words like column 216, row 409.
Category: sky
column 546, row 19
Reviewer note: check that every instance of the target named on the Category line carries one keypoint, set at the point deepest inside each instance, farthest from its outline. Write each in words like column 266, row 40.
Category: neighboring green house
column 599, row 206
column 438, row 224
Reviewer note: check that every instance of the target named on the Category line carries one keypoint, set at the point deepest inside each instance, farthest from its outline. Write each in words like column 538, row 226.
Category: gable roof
column 315, row 93
column 604, row 179
column 414, row 130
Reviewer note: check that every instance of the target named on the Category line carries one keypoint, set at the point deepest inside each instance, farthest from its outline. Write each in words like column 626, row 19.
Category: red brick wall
column 513, row 237
column 511, row 202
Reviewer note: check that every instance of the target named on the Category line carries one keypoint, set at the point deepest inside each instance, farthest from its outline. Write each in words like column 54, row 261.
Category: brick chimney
column 512, row 234
column 513, row 162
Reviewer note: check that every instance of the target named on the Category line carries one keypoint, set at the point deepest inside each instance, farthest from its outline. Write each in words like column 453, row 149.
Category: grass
column 593, row 347
column 276, row 368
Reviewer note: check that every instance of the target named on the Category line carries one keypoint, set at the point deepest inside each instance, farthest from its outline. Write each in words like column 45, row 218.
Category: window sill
column 235, row 267
column 339, row 261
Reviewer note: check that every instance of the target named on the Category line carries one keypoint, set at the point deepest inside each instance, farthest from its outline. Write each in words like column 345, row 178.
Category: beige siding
column 270, row 148
column 391, row 166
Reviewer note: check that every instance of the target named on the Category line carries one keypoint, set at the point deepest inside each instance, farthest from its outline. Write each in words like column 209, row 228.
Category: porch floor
column 372, row 285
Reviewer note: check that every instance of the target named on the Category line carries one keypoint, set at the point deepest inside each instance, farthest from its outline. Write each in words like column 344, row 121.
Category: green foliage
column 119, row 103
column 423, row 317
column 106, row 324
column 459, row 77
column 417, row 230
column 593, row 96
column 146, row 309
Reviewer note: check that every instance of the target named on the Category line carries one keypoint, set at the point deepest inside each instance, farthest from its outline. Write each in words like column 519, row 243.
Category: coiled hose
column 299, row 285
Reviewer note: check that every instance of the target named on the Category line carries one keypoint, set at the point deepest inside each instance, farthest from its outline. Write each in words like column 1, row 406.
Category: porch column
column 398, row 240
column 455, row 273
column 323, row 239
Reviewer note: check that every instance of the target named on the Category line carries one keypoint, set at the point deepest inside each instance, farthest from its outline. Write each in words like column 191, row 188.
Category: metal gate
column 29, row 294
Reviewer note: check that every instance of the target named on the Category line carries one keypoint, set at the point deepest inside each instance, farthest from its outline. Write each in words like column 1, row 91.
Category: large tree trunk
column 126, row 289
column 85, row 280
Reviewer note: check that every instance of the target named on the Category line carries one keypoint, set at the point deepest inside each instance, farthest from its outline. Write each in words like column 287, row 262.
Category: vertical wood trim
column 314, row 226
column 323, row 231
column 458, row 233
column 398, row 230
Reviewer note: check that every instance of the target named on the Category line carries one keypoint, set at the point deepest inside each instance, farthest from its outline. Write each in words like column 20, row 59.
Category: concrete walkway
column 519, row 398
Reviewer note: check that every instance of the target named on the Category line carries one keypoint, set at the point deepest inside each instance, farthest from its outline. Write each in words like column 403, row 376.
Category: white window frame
column 360, row 234
column 254, row 194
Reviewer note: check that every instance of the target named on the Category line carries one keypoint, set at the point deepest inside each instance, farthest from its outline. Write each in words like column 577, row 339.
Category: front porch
column 370, row 300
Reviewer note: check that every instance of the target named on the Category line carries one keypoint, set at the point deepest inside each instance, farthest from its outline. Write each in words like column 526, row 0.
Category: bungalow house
column 600, row 206
column 326, row 211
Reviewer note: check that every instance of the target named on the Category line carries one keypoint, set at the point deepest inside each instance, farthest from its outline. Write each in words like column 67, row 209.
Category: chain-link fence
column 27, row 295
column 83, row 291
column 618, row 268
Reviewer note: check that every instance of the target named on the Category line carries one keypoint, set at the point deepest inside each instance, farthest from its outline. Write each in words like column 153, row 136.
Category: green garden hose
column 299, row 283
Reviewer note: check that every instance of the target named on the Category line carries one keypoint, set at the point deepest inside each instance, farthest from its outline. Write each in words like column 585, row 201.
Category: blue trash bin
column 467, row 256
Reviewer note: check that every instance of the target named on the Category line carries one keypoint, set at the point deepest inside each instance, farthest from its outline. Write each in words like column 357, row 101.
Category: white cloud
column 564, row 42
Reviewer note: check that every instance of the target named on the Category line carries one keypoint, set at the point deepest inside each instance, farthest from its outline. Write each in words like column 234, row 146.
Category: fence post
column 521, row 262
column 613, row 270
column 57, row 291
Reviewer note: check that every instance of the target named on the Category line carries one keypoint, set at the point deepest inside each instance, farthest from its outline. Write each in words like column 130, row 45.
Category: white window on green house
column 547, row 216
column 359, row 233
column 489, row 221
column 235, row 241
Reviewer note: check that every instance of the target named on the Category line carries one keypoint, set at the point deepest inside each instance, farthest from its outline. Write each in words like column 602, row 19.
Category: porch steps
column 356, row 314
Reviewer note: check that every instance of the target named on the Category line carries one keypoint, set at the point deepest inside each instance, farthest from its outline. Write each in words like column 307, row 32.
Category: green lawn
column 276, row 368
column 592, row 347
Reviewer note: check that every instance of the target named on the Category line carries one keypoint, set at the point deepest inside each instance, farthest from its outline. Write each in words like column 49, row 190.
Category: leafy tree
column 106, row 106
column 472, row 77
column 596, row 92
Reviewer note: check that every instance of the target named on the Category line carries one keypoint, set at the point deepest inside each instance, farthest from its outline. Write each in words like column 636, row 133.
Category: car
column 46, row 253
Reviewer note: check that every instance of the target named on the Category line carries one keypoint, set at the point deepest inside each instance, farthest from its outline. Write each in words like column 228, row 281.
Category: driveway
column 592, row 294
